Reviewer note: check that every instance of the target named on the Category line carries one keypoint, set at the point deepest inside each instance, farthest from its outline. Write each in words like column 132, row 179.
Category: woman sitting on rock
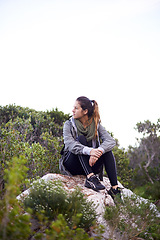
column 88, row 146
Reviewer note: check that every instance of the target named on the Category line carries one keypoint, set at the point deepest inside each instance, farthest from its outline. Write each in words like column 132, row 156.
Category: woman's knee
column 109, row 155
column 108, row 158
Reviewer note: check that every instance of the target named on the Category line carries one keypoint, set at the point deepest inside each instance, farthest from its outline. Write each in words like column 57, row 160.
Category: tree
column 35, row 134
column 147, row 154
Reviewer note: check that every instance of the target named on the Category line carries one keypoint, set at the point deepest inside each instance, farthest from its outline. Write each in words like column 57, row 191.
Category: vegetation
column 58, row 215
column 145, row 161
column 133, row 218
column 30, row 144
column 125, row 172
column 37, row 135
column 51, row 199
column 14, row 224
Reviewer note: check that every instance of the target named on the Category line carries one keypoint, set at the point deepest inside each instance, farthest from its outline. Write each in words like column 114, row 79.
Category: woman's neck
column 84, row 121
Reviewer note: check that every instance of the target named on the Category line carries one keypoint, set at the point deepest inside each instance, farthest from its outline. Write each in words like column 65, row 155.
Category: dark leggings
column 79, row 164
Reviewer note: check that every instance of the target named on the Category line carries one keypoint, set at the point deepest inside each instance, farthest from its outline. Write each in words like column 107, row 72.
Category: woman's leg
column 110, row 166
column 77, row 164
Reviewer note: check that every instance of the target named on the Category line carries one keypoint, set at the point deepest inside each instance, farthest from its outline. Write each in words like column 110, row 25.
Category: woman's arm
column 107, row 141
column 71, row 144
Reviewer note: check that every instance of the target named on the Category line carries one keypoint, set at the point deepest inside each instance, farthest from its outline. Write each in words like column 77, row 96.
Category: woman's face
column 78, row 112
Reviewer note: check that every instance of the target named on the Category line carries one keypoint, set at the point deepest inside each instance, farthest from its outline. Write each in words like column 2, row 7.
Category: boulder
column 100, row 199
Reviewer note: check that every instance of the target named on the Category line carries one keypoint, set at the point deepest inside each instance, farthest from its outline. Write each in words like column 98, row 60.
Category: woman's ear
column 85, row 111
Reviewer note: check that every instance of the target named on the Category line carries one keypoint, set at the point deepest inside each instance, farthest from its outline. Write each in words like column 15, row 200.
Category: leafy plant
column 14, row 224
column 59, row 216
column 35, row 134
column 59, row 230
column 134, row 218
column 146, row 155
column 51, row 199
column 125, row 172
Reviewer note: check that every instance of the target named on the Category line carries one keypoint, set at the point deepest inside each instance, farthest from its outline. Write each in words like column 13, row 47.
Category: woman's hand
column 96, row 152
column 94, row 155
column 92, row 160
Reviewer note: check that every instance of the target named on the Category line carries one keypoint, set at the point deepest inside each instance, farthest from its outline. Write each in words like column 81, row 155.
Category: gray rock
column 101, row 199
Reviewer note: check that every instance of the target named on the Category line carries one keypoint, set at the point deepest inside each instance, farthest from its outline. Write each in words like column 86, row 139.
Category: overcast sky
column 52, row 52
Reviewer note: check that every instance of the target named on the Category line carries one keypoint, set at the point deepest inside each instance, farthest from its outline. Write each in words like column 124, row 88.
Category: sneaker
column 94, row 183
column 115, row 192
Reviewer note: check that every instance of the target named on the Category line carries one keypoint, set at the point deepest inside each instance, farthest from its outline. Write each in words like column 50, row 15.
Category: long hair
column 93, row 110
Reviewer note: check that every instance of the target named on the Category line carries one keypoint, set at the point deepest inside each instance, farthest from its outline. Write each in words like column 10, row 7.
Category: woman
column 84, row 154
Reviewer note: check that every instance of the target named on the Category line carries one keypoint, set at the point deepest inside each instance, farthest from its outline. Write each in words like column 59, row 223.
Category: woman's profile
column 88, row 147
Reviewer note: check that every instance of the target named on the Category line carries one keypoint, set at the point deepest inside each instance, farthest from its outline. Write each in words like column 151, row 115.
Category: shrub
column 35, row 134
column 59, row 230
column 122, row 161
column 149, row 191
column 51, row 199
column 134, row 218
column 14, row 224
column 153, row 190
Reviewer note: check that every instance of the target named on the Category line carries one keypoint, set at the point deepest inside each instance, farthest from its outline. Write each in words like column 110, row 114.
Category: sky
column 53, row 51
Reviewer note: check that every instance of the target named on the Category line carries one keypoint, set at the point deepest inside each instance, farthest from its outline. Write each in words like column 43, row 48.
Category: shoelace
column 95, row 178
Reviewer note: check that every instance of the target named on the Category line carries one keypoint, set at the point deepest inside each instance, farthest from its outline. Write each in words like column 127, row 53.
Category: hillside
column 30, row 143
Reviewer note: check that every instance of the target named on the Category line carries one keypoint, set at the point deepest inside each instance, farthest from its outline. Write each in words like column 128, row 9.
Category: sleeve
column 71, row 144
column 108, row 142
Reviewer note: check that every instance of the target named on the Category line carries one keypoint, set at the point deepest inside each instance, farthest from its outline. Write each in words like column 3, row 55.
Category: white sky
column 53, row 51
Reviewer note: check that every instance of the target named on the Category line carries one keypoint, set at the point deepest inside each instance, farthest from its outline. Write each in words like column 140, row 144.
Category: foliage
column 150, row 191
column 51, row 199
column 14, row 224
column 59, row 230
column 147, row 154
column 123, row 168
column 144, row 160
column 37, row 117
column 30, row 144
column 134, row 218
column 37, row 135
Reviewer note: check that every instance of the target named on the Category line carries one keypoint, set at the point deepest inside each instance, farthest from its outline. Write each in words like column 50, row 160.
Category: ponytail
column 93, row 110
column 96, row 115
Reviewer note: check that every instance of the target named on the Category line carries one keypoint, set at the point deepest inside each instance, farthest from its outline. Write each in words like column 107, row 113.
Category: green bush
column 153, row 190
column 145, row 157
column 59, row 230
column 51, row 199
column 134, row 218
column 35, row 134
column 149, row 191
column 14, row 224
column 122, row 161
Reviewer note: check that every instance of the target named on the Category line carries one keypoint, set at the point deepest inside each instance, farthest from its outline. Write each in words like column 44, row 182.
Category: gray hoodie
column 72, row 145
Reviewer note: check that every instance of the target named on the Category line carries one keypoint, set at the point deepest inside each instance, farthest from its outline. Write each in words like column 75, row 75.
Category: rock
column 100, row 199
